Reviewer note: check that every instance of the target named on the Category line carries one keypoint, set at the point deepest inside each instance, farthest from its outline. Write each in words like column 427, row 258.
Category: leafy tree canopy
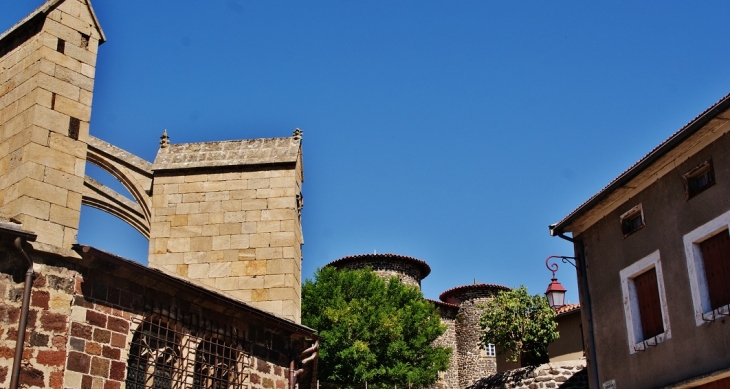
column 373, row 330
column 522, row 324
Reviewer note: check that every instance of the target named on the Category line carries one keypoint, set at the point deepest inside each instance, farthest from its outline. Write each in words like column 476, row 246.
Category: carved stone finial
column 298, row 134
column 164, row 140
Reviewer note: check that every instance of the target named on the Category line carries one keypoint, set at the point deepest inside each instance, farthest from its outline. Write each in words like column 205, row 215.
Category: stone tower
column 408, row 269
column 227, row 215
column 222, row 214
column 47, row 65
column 473, row 363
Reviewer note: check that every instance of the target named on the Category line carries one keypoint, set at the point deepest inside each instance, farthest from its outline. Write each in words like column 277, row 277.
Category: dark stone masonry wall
column 472, row 361
column 82, row 321
column 563, row 375
column 408, row 273
column 406, row 279
column 448, row 379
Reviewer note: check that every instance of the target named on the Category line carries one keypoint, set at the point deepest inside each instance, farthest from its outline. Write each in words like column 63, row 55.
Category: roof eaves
column 16, row 230
column 102, row 36
column 45, row 8
column 220, row 298
column 678, row 137
column 425, row 268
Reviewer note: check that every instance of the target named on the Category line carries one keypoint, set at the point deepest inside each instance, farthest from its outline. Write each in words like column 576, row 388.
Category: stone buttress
column 227, row 215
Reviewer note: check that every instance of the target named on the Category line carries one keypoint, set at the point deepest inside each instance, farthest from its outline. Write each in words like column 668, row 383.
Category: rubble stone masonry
column 564, row 375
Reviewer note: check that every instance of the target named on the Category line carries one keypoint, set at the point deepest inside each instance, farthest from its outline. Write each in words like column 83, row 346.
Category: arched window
column 217, row 365
column 154, row 357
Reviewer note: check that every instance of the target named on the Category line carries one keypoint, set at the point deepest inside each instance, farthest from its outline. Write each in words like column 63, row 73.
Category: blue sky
column 454, row 132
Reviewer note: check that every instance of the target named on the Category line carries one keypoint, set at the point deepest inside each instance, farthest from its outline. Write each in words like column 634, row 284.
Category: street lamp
column 555, row 292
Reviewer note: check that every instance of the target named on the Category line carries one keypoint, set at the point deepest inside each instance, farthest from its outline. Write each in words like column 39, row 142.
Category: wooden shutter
column 647, row 293
column 716, row 256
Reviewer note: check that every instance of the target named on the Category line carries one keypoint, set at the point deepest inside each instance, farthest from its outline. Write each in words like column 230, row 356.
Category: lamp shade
column 555, row 294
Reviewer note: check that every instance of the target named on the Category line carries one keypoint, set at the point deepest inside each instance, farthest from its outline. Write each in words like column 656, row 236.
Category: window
column 153, row 357
column 632, row 220
column 216, row 365
column 490, row 350
column 167, row 356
column 650, row 311
column 698, row 179
column 642, row 286
column 707, row 250
column 715, row 254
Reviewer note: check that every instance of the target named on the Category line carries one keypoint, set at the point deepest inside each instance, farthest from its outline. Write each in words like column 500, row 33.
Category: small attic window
column 698, row 179
column 632, row 221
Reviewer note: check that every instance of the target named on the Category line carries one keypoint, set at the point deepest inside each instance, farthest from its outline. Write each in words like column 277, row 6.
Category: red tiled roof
column 565, row 309
column 682, row 134
column 445, row 295
column 421, row 265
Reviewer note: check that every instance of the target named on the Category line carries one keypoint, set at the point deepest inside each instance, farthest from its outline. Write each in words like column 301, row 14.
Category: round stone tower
column 408, row 269
column 473, row 362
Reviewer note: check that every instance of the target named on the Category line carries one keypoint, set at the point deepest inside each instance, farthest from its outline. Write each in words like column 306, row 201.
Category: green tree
column 521, row 324
column 373, row 330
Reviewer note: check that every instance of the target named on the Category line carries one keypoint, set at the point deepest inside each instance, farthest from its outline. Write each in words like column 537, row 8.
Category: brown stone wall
column 236, row 231
column 472, row 360
column 564, row 375
column 47, row 335
column 267, row 375
column 82, row 321
column 408, row 273
column 46, row 83
column 448, row 379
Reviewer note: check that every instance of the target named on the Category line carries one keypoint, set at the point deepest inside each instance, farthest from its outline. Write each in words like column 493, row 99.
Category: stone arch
column 132, row 172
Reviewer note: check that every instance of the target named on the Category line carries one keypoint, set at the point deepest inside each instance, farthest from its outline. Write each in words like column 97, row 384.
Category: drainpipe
column 293, row 374
column 583, row 278
column 23, row 315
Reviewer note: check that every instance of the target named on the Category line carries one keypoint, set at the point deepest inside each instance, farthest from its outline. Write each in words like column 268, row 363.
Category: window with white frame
column 632, row 220
column 707, row 250
column 645, row 306
column 490, row 350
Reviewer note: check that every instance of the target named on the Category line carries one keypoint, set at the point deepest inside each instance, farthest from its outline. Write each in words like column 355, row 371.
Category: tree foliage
column 373, row 330
column 522, row 324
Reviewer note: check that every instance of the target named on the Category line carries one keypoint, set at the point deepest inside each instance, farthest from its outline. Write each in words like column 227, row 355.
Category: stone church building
column 219, row 305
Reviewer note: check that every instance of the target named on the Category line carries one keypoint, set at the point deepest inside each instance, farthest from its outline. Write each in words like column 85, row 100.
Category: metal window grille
column 165, row 354
column 218, row 365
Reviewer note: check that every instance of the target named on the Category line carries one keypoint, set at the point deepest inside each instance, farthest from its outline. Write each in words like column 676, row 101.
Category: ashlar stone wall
column 234, row 228
column 47, row 68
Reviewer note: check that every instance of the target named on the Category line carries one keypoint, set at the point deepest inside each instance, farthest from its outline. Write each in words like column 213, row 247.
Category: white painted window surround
column 696, row 268
column 631, row 303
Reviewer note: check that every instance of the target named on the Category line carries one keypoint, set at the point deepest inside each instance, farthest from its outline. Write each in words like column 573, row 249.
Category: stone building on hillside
column 218, row 307
column 459, row 312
